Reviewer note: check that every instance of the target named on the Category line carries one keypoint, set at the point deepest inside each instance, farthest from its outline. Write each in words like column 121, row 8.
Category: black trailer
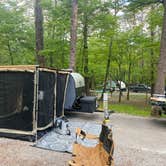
column 27, row 100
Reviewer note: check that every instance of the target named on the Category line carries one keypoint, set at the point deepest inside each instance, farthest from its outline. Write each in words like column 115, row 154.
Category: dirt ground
column 20, row 153
column 138, row 142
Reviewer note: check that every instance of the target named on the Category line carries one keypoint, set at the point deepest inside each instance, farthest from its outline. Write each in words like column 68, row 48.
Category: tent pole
column 55, row 95
column 35, row 106
column 37, row 101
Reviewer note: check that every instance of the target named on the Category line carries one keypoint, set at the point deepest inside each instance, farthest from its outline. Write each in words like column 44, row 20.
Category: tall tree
column 154, row 21
column 85, row 52
column 161, row 68
column 116, row 5
column 152, row 34
column 107, row 68
column 39, row 33
column 92, row 15
column 73, row 35
column 56, row 32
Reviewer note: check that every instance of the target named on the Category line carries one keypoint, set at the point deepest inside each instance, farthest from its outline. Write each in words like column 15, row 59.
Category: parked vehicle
column 111, row 85
column 115, row 86
column 121, row 85
column 139, row 88
column 158, row 103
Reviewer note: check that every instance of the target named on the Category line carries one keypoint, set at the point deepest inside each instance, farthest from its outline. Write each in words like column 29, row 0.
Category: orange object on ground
column 100, row 155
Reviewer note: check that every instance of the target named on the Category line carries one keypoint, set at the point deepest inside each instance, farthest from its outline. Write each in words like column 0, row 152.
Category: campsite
column 82, row 82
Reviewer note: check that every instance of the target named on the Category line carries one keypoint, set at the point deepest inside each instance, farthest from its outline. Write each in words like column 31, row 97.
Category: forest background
column 115, row 39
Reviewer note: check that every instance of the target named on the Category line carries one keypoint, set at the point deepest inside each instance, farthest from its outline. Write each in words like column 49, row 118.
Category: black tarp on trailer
column 27, row 100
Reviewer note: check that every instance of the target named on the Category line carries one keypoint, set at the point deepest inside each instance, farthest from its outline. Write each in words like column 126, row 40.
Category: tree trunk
column 129, row 72
column 39, row 33
column 120, row 92
column 73, row 35
column 10, row 53
column 63, row 52
column 129, row 80
column 119, row 81
column 51, row 59
column 85, row 53
column 161, row 69
column 92, row 81
column 107, row 68
column 152, row 63
column 55, row 2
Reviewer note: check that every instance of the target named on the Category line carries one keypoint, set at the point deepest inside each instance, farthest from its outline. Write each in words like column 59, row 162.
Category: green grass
column 130, row 109
column 163, row 116
column 138, row 104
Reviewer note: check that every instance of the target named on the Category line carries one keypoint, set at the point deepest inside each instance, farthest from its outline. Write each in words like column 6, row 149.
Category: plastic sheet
column 64, row 143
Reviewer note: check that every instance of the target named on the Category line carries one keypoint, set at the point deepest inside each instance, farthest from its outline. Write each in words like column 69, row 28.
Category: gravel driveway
column 138, row 142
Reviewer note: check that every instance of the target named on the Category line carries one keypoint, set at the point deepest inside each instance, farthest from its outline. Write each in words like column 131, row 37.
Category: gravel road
column 138, row 142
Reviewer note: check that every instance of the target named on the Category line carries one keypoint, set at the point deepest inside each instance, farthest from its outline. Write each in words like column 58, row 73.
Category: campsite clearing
column 138, row 141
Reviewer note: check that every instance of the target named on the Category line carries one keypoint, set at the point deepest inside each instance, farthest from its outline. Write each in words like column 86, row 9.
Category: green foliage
column 139, row 4
column 129, row 29
column 16, row 36
column 56, row 36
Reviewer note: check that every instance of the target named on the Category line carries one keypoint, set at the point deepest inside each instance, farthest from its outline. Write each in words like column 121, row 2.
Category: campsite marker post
column 105, row 107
